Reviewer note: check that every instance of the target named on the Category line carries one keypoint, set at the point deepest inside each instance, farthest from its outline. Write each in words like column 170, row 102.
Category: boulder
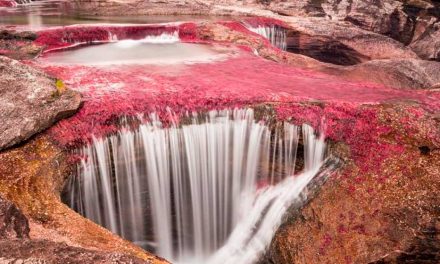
column 13, row 224
column 427, row 45
column 18, row 44
column 30, row 101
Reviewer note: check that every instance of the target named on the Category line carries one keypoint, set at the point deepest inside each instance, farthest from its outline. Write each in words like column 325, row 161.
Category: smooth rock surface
column 30, row 102
column 399, row 73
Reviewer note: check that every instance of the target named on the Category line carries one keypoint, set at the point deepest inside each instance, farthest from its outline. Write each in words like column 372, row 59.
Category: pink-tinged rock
column 30, row 101
column 427, row 45
column 341, row 43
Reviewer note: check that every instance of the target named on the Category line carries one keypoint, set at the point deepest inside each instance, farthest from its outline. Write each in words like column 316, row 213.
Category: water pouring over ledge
column 211, row 191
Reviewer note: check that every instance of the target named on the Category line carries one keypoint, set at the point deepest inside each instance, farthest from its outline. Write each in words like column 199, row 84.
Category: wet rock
column 427, row 45
column 396, row 19
column 30, row 102
column 13, row 224
column 32, row 176
column 341, row 43
column 399, row 73
column 45, row 251
column 18, row 44
column 373, row 212
column 425, row 248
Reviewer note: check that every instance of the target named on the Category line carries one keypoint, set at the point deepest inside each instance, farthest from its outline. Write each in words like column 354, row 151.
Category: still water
column 40, row 14
column 137, row 52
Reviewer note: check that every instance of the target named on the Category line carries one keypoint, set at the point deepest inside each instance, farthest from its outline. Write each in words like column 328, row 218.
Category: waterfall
column 121, row 39
column 213, row 189
column 23, row 2
column 275, row 34
column 164, row 38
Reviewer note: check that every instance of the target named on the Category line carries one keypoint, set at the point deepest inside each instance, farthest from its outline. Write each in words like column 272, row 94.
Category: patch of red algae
column 384, row 201
column 188, row 32
column 265, row 22
column 7, row 3
column 61, row 37
column 112, row 92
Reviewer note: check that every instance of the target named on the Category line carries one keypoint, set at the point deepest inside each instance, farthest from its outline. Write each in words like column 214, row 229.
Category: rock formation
column 16, row 247
column 427, row 45
column 13, row 224
column 32, row 178
column 30, row 102
column 18, row 44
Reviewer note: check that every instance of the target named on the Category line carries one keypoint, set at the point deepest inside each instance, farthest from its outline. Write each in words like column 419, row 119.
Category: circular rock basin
column 138, row 52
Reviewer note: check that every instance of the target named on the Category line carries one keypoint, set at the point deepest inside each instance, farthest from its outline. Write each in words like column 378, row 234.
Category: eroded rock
column 341, row 43
column 45, row 251
column 383, row 206
column 30, row 101
column 13, row 224
column 18, row 44
column 427, row 45
column 32, row 177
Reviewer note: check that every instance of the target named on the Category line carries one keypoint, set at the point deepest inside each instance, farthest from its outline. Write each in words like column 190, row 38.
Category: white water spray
column 164, row 38
column 275, row 34
column 214, row 191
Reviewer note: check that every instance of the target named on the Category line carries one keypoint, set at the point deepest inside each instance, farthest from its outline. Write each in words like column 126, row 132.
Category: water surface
column 40, row 14
column 137, row 52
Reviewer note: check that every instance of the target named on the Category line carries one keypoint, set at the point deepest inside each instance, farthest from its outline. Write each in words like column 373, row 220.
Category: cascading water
column 23, row 2
column 275, row 34
column 214, row 191
column 163, row 38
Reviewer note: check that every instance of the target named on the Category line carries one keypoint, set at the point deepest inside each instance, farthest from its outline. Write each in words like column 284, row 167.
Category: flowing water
column 213, row 190
column 275, row 34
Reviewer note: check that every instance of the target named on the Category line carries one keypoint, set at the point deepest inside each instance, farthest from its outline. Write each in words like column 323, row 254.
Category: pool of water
column 137, row 52
column 40, row 14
